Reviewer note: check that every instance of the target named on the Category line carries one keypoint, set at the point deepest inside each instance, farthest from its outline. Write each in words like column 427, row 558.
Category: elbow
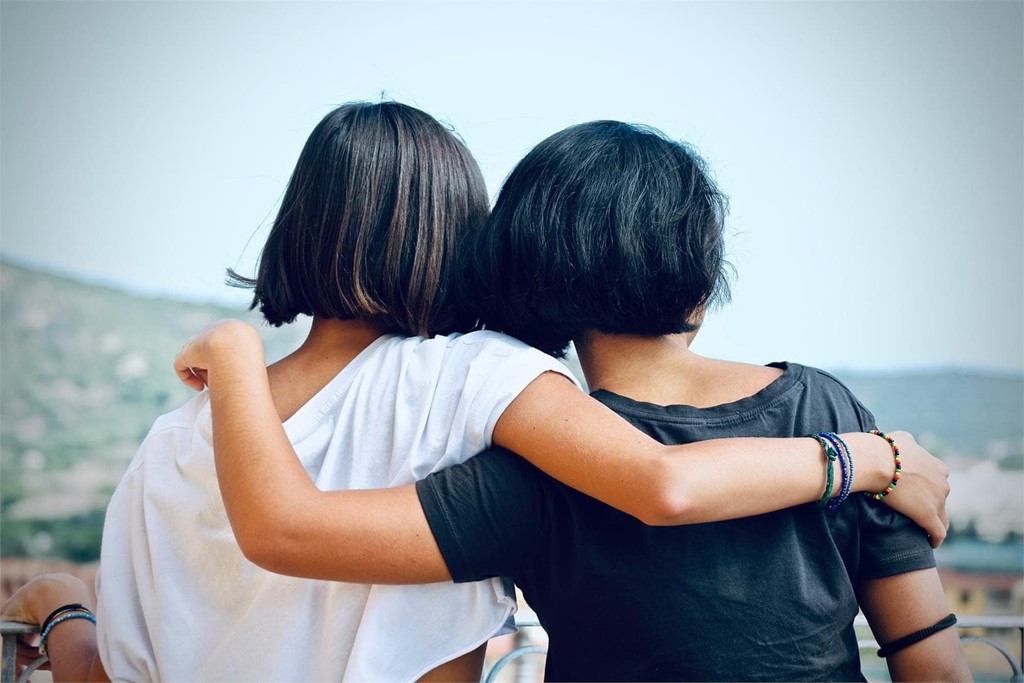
column 269, row 550
column 263, row 540
column 667, row 509
column 258, row 548
column 669, row 499
column 257, row 551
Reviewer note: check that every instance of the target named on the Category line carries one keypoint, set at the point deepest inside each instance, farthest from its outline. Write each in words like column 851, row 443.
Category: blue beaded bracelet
column 845, row 469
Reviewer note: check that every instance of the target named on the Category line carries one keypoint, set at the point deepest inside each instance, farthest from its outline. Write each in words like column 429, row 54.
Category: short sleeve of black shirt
column 485, row 514
column 888, row 542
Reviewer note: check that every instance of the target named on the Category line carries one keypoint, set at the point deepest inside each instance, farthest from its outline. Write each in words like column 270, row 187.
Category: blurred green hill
column 85, row 369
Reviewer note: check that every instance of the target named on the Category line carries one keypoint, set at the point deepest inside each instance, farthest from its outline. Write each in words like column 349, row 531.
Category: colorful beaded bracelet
column 899, row 466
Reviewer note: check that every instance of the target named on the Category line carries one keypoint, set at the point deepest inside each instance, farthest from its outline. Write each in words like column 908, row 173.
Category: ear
column 696, row 319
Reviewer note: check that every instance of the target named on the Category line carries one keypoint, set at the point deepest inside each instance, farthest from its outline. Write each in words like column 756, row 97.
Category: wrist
column 231, row 338
column 234, row 348
column 874, row 461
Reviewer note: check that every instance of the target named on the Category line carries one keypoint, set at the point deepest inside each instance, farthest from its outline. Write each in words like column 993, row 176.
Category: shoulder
column 825, row 383
column 171, row 430
column 477, row 340
column 478, row 346
column 824, row 391
column 495, row 344
column 480, row 355
column 185, row 416
column 820, row 378
column 193, row 414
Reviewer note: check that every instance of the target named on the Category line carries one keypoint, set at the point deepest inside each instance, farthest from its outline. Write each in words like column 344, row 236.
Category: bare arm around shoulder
column 283, row 522
column 903, row 604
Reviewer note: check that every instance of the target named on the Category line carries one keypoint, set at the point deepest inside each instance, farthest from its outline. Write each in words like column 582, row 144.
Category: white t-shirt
column 177, row 601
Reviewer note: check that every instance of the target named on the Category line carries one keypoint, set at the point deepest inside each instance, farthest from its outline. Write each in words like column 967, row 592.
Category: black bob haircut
column 604, row 226
column 369, row 225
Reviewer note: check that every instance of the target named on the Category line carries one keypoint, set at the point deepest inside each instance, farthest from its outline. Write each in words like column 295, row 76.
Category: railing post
column 11, row 630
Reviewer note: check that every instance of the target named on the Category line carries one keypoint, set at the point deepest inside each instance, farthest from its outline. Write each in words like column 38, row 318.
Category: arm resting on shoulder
column 899, row 605
column 281, row 520
column 585, row 445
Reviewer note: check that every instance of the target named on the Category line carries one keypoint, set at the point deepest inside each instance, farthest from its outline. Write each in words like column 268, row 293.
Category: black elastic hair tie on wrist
column 916, row 636
column 62, row 608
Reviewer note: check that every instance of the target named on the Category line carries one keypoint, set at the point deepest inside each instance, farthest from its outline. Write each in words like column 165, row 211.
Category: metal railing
column 527, row 669
column 11, row 631
column 527, row 622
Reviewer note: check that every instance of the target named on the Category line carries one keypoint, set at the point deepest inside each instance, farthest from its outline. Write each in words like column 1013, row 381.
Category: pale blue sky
column 873, row 151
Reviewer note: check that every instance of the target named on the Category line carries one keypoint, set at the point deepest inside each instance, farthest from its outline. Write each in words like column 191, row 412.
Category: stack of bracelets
column 836, row 450
column 59, row 616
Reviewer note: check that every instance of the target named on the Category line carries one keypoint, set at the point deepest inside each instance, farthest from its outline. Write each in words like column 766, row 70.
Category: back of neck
column 329, row 347
column 664, row 371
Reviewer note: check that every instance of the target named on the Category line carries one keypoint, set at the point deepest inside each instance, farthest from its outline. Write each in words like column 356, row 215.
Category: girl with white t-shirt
column 383, row 392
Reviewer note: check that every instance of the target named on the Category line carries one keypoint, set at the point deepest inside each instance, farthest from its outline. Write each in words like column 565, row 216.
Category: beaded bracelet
column 830, row 460
column 834, row 502
column 80, row 613
column 899, row 466
column 845, row 469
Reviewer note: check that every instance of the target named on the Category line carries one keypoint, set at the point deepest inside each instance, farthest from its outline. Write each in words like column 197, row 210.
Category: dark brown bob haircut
column 604, row 226
column 374, row 212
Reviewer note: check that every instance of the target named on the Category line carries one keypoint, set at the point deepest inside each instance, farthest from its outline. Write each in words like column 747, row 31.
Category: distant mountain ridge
column 86, row 368
column 961, row 412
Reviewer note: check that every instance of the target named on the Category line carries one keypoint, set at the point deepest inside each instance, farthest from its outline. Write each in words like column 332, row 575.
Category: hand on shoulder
column 213, row 347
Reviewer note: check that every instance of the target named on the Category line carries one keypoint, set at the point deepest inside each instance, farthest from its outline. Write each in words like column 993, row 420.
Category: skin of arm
column 284, row 523
column 584, row 444
column 899, row 605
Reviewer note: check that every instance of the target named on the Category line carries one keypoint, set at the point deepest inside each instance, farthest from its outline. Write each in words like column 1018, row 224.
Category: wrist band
column 845, row 458
column 916, row 636
column 830, row 460
column 77, row 613
column 57, row 612
column 899, row 466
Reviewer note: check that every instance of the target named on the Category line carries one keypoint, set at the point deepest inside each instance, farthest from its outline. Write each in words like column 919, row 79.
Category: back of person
column 369, row 224
column 179, row 601
column 770, row 597
column 630, row 225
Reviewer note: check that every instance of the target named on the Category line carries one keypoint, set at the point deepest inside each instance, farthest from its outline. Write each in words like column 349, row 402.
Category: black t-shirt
column 769, row 597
